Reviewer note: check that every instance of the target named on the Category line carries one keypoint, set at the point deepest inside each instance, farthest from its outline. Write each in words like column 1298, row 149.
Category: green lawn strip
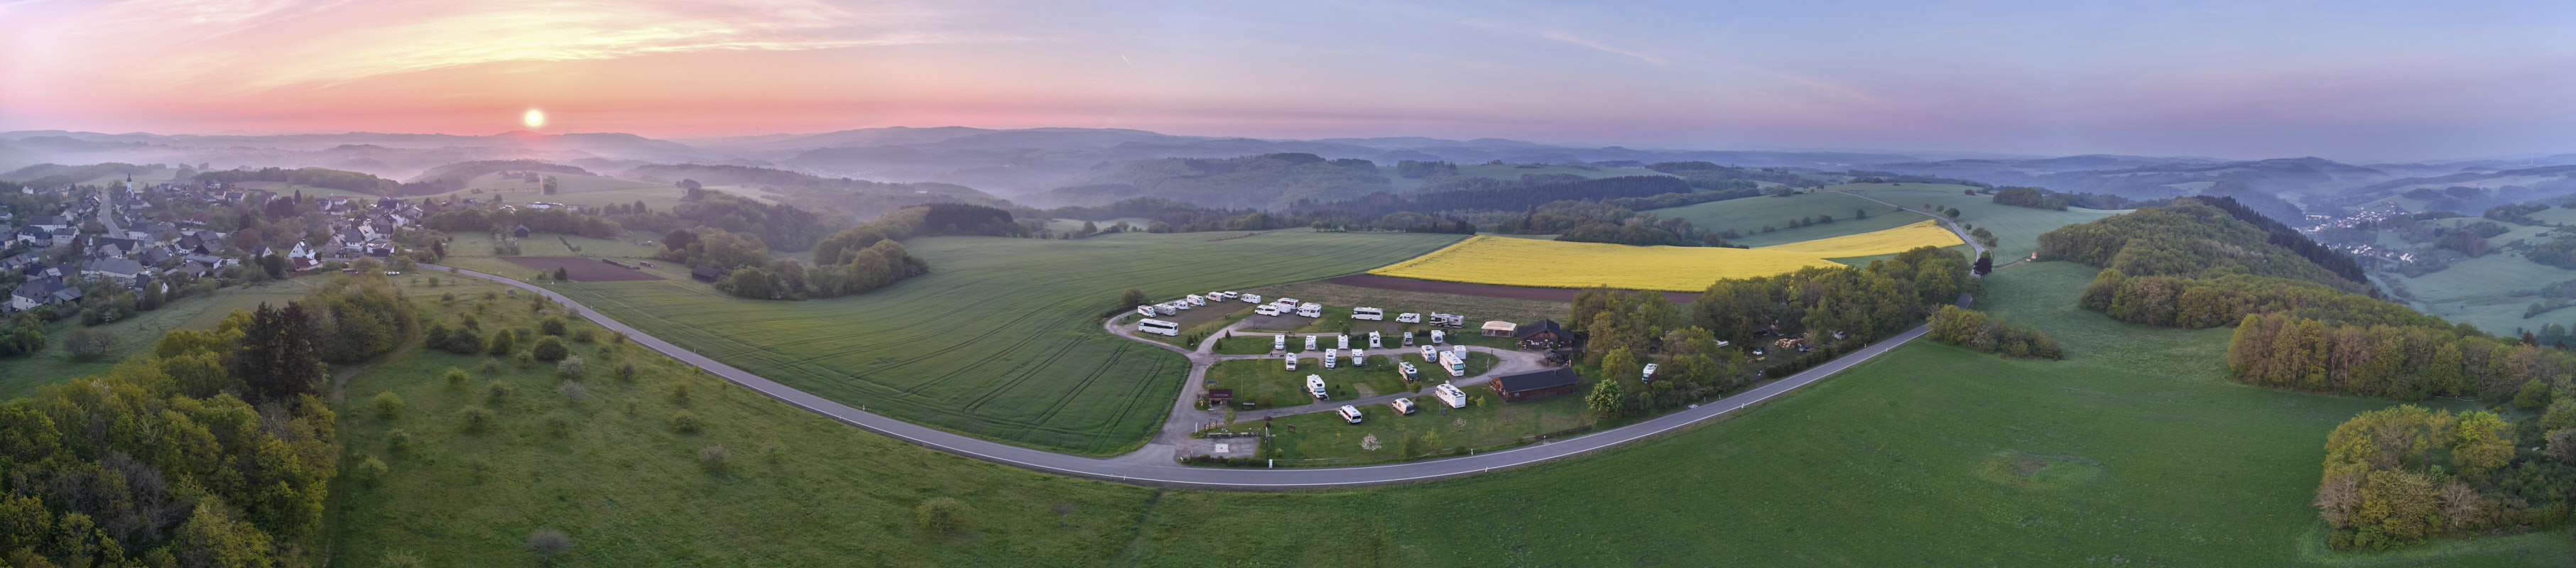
column 1002, row 338
column 610, row 471
column 1491, row 424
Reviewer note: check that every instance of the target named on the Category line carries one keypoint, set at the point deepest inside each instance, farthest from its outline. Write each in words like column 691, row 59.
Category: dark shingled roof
column 1541, row 326
column 1556, row 377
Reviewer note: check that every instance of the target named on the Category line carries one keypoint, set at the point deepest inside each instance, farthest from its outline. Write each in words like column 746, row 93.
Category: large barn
column 1535, row 385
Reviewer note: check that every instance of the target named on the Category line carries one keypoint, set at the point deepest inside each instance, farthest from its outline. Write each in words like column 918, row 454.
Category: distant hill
column 862, row 198
column 462, row 171
column 1266, row 180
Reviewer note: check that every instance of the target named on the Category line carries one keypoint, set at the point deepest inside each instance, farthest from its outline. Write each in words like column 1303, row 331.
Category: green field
column 1259, row 380
column 19, row 376
column 1327, row 439
column 1001, row 339
column 2016, row 229
column 2482, row 291
column 1515, row 171
column 2133, row 452
column 1748, row 215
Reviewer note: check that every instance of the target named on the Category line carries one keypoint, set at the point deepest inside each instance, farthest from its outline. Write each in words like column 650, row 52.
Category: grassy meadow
column 20, row 376
column 1380, row 435
column 2016, row 229
column 1001, row 339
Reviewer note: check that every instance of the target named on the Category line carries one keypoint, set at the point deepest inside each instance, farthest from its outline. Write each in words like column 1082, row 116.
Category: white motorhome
column 1461, row 350
column 1372, row 314
column 1410, row 372
column 1251, row 298
column 1350, row 414
column 1310, row 343
column 1179, row 304
column 1221, row 296
column 1315, row 386
column 1331, row 357
column 1279, row 342
column 1288, row 301
column 1310, row 309
column 1457, row 367
column 1147, row 311
column 1650, row 373
column 1430, row 354
column 1408, row 318
column 1408, row 338
column 1266, row 310
column 1166, row 309
column 1450, row 394
column 1439, row 337
column 1195, row 299
column 1342, row 341
column 1403, row 406
column 1359, row 358
column 1159, row 327
column 1374, row 341
column 1292, row 361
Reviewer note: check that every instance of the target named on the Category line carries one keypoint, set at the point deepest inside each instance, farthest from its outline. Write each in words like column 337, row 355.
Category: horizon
column 2026, row 78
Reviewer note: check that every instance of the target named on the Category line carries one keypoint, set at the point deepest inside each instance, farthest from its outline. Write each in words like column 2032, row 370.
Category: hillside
column 862, row 198
column 2201, row 237
column 1267, row 180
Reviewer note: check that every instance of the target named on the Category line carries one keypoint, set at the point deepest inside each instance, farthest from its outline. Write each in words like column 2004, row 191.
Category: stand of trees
column 2408, row 362
column 2200, row 303
column 2200, row 237
column 1579, row 221
column 1883, row 299
column 1976, row 330
column 487, row 219
column 853, row 261
column 1420, row 169
column 2401, row 476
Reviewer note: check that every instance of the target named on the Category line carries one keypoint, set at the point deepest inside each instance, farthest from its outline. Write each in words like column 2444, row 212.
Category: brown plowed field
column 1486, row 290
column 582, row 269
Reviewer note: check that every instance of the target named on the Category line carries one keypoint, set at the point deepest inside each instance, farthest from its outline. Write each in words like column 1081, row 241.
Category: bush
column 571, row 368
column 2534, row 394
column 369, row 472
column 87, row 344
column 679, row 394
column 456, row 377
column 573, row 391
column 550, row 349
column 714, row 457
column 478, row 420
column 686, row 423
column 503, row 343
column 498, row 393
column 525, row 360
column 387, row 405
column 547, row 543
column 552, row 326
column 626, row 372
column 585, row 335
column 398, row 440
column 942, row 515
column 491, row 366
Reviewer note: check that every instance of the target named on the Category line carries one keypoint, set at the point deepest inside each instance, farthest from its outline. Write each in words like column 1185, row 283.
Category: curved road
column 1162, row 471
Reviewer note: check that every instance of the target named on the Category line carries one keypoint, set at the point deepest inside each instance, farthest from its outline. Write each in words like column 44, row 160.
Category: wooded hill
column 860, row 198
column 1266, row 180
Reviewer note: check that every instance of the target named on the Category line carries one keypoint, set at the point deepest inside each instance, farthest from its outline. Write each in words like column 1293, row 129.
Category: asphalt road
column 1162, row 472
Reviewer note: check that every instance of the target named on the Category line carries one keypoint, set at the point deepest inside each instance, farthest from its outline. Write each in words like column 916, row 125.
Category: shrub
column 686, row 423
column 401, row 559
column 714, row 457
column 571, row 368
column 585, row 335
column 86, row 344
column 942, row 515
column 547, row 543
column 369, row 472
column 498, row 393
column 491, row 366
column 456, row 377
column 550, row 349
column 478, row 420
column 626, row 372
column 398, row 440
column 387, row 405
column 573, row 391
column 552, row 326
column 526, row 360
column 679, row 394
column 503, row 343
column 2534, row 394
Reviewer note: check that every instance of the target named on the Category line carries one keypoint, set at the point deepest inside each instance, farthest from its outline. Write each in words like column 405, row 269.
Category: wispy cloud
column 1579, row 40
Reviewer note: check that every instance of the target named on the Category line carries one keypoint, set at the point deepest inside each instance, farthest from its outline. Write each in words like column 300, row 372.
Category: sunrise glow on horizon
column 2220, row 78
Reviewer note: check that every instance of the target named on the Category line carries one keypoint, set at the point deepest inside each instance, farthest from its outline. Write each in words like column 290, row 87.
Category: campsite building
column 1535, row 385
column 1546, row 334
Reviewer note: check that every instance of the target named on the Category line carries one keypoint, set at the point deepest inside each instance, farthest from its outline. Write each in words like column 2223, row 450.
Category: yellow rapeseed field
column 1891, row 241
column 1556, row 264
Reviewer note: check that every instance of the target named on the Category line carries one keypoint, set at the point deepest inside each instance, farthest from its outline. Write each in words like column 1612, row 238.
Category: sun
column 534, row 119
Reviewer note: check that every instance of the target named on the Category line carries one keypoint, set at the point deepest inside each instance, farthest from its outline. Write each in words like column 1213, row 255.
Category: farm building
column 1499, row 328
column 705, row 273
column 519, row 232
column 1535, row 385
column 1546, row 334
column 1220, row 397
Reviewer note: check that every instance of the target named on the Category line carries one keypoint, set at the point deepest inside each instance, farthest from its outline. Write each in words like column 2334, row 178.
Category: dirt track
column 582, row 269
column 1486, row 290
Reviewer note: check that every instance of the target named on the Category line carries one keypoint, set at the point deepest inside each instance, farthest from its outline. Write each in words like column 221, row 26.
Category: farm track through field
column 1144, row 466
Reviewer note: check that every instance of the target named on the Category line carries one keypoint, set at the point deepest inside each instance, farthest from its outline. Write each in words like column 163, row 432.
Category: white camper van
column 1403, row 406
column 1650, row 373
column 1279, row 342
column 1292, row 361
column 1311, row 310
column 1430, row 354
column 1331, row 356
column 1266, row 310
column 1195, row 299
column 1310, row 343
column 1372, row 314
column 1166, row 309
column 1450, row 394
column 1457, row 367
column 1159, row 327
column 1408, row 318
column 1410, row 372
column 1147, row 311
column 1359, row 358
column 1251, row 298
column 1342, row 341
column 1374, row 341
column 1289, row 301
column 1350, row 414
column 1439, row 337
column 1461, row 350
column 1315, row 386
column 1408, row 339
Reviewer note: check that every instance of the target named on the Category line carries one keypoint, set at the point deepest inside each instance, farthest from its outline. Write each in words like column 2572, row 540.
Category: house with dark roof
column 1546, row 334
column 519, row 232
column 1535, row 385
column 118, row 269
column 706, row 273
column 39, row 292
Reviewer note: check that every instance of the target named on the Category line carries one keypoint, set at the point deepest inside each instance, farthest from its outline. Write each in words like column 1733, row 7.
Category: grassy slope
column 20, row 376
column 999, row 340
column 1747, row 216
column 2016, row 229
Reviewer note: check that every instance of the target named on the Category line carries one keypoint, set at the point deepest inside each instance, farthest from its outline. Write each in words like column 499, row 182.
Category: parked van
column 1650, row 373
column 1372, row 314
column 1408, row 339
column 1310, row 309
column 1359, row 358
column 1195, row 299
column 1251, row 298
column 1315, row 386
column 1403, row 406
column 1408, row 318
column 1292, row 361
column 1350, row 414
column 1461, row 350
column 1279, row 342
column 1166, row 309
column 1373, row 341
column 1310, row 343
column 1342, row 341
column 1410, row 372
column 1147, row 311
column 1457, row 367
column 1439, row 337
column 1266, row 310
column 1288, row 301
column 1159, row 327
column 1450, row 394
column 1430, row 354
column 1331, row 356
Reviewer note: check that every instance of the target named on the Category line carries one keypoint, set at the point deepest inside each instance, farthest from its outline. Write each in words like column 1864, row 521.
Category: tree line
column 1885, row 298
column 2408, row 362
column 2404, row 475
column 856, row 260
column 2201, row 303
column 315, row 177
column 2198, row 237
column 1975, row 330
column 215, row 448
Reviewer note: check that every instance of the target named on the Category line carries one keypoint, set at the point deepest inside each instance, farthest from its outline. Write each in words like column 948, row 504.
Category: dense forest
column 2408, row 362
column 214, row 448
column 2199, row 237
column 2401, row 476
column 2199, row 303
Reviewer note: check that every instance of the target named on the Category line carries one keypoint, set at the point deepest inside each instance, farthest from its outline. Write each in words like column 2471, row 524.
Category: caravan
column 1650, row 373
column 1251, row 298
column 1311, row 310
column 1408, row 371
column 1310, row 343
column 1403, row 406
column 1279, row 342
column 1450, row 394
column 1147, row 311
column 1439, row 337
column 1408, row 339
column 1457, row 367
column 1266, row 310
column 1315, row 386
column 1372, row 314
column 1292, row 361
column 1408, row 318
column 1159, row 327
column 1373, row 341
column 1331, row 356
column 1195, row 300
column 1430, row 354
column 1166, row 309
column 1359, row 358
column 1342, row 341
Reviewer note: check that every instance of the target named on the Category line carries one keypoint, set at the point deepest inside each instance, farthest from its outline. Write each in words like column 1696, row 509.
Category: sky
column 2355, row 80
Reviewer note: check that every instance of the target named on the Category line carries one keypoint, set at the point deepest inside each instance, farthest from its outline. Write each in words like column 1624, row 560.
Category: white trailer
column 1403, row 406
column 1166, row 309
column 1288, row 301
column 1310, row 343
column 1292, row 361
column 1147, row 311
column 1342, row 341
column 1457, row 367
column 1310, row 309
column 1650, row 373
column 1332, row 357
column 1430, row 354
column 1450, row 394
column 1359, row 358
column 1159, row 327
column 1279, row 342
column 1251, row 298
column 1266, row 310
column 1374, row 342
column 1408, row 338
column 1410, row 372
column 1408, row 318
column 1315, row 386
column 1371, row 314
column 1461, row 350
column 1195, row 299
